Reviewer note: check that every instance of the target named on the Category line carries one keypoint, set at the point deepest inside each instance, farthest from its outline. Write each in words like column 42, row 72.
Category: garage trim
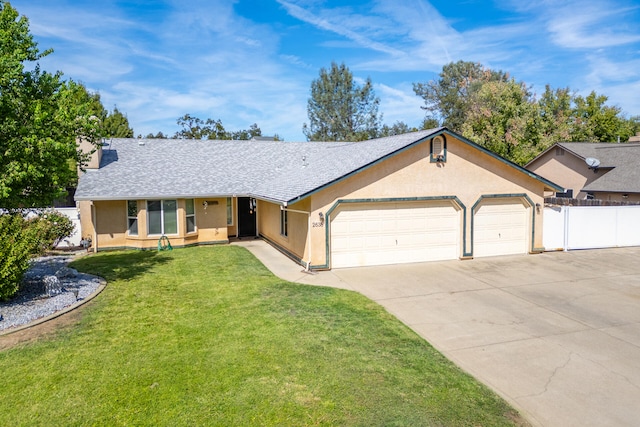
column 523, row 197
column 338, row 202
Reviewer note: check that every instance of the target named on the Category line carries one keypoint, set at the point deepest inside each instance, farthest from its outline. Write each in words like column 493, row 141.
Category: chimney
column 86, row 147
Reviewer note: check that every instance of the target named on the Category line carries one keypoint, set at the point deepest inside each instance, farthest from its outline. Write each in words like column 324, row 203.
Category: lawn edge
column 35, row 322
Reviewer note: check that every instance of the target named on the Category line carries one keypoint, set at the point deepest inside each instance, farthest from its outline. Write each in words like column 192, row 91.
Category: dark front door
column 246, row 217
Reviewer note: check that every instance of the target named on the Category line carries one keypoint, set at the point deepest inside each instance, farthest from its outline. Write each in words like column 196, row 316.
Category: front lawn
column 208, row 336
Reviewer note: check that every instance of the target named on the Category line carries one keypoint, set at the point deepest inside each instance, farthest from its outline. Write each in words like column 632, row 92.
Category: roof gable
column 623, row 160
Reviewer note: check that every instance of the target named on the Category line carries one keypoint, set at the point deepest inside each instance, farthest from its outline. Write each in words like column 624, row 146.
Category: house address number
column 317, row 224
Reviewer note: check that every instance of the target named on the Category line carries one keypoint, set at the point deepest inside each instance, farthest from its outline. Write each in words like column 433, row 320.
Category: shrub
column 17, row 243
column 20, row 239
column 54, row 227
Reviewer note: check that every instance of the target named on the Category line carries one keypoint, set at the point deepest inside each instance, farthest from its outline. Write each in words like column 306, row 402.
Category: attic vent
column 438, row 149
column 437, row 146
column 141, row 142
column 559, row 151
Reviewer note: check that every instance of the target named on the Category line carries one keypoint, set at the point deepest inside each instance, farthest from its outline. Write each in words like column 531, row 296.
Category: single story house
column 421, row 196
column 603, row 171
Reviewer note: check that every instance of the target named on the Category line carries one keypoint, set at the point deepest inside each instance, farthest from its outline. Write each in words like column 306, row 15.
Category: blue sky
column 253, row 61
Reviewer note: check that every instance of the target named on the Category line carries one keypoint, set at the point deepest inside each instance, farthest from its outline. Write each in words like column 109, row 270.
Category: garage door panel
column 500, row 228
column 340, row 243
column 394, row 233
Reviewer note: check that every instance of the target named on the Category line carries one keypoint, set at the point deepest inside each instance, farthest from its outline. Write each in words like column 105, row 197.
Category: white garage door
column 500, row 227
column 365, row 234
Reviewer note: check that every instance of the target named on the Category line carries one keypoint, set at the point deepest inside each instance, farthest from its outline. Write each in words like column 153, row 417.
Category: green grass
column 208, row 336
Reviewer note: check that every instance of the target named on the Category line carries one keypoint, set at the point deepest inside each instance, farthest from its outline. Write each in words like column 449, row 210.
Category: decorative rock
column 66, row 273
column 32, row 301
column 52, row 285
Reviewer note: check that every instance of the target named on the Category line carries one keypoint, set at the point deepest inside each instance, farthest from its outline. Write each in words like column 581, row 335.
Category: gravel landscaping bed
column 48, row 286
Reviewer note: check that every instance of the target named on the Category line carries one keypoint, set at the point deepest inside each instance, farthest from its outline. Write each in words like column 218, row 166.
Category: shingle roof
column 275, row 170
column 623, row 159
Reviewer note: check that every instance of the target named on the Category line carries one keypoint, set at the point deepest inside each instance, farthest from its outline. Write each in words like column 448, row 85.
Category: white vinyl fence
column 74, row 216
column 590, row 227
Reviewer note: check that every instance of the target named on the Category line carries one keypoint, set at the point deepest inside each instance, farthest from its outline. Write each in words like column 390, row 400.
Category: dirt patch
column 518, row 419
column 42, row 331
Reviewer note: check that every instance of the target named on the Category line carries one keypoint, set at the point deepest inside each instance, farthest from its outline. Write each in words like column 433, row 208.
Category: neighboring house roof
column 623, row 160
column 279, row 171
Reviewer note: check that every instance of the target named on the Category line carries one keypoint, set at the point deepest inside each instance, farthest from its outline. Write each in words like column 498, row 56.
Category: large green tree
column 196, row 128
column 116, row 125
column 449, row 98
column 593, row 120
column 39, row 121
column 501, row 114
column 503, row 119
column 554, row 116
column 398, row 128
column 341, row 110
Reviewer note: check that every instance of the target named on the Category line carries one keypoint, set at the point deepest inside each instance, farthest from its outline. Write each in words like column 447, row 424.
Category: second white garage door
column 364, row 234
column 500, row 227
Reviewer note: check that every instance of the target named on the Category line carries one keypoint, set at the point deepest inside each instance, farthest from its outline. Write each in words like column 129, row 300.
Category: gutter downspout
column 283, row 208
column 95, row 227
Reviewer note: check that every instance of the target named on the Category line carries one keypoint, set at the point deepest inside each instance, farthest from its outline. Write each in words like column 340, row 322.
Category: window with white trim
column 284, row 223
column 132, row 217
column 162, row 217
column 229, row 211
column 190, row 211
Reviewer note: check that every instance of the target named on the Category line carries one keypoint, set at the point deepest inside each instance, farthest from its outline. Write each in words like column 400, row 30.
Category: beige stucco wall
column 111, row 224
column 86, row 147
column 86, row 223
column 298, row 224
column 468, row 174
column 567, row 170
column 211, row 223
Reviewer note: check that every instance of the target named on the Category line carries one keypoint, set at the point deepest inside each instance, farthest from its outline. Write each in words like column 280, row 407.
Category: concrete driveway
column 556, row 334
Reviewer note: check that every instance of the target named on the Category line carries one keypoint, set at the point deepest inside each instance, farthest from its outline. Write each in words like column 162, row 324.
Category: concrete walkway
column 556, row 334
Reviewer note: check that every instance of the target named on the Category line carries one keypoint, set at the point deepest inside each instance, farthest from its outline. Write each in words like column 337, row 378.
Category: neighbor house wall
column 567, row 170
column 617, row 197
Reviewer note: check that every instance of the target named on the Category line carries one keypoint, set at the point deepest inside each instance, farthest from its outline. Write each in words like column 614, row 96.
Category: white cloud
column 400, row 104
column 590, row 25
column 336, row 22
column 201, row 57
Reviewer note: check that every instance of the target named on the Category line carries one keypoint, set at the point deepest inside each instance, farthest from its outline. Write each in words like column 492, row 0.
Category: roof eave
column 367, row 166
column 179, row 196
